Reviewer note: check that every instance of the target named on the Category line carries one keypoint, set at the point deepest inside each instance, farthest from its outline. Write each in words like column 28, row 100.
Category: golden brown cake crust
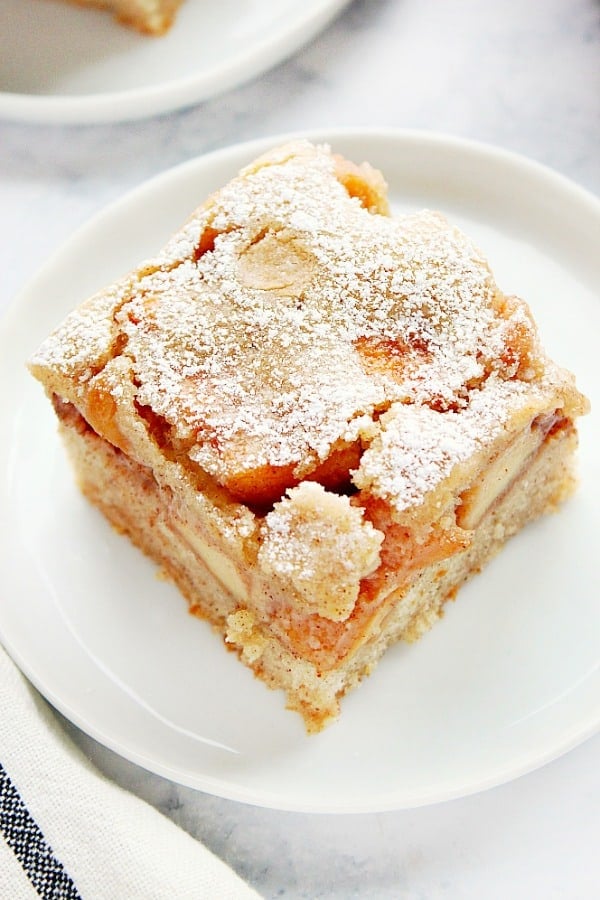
column 286, row 334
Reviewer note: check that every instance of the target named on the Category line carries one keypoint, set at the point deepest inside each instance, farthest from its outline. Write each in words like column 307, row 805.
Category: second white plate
column 508, row 680
column 61, row 63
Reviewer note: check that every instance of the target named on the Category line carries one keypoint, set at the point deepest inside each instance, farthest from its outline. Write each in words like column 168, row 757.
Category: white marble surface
column 523, row 75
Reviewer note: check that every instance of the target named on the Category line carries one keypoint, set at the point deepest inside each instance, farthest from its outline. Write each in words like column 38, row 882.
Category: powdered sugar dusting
column 251, row 349
column 81, row 343
column 304, row 315
column 419, row 447
column 321, row 544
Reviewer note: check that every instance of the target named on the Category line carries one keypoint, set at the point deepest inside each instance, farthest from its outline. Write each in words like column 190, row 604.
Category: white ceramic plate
column 506, row 681
column 61, row 63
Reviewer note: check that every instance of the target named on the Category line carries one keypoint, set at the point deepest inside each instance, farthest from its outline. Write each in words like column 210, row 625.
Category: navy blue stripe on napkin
column 26, row 840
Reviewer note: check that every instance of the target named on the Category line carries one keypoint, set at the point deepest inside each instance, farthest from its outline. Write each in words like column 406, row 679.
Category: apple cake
column 317, row 418
column 148, row 16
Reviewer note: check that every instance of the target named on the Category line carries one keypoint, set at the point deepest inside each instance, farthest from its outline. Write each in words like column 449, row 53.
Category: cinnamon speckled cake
column 318, row 419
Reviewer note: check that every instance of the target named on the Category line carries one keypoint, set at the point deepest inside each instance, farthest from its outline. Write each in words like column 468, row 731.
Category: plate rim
column 584, row 728
column 134, row 104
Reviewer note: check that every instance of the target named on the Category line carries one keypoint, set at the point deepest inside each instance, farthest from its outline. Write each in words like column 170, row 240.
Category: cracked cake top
column 291, row 313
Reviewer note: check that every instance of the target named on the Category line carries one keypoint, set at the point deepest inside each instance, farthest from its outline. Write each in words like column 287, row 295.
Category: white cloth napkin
column 66, row 832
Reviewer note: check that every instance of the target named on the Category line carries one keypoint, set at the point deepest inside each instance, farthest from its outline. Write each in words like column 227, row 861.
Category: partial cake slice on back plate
column 318, row 419
column 148, row 16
